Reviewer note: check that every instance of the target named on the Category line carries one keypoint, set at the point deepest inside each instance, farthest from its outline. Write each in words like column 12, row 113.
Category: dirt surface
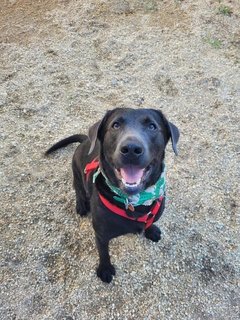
column 63, row 63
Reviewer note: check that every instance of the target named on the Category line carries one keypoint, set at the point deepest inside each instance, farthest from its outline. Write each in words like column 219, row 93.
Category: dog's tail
column 63, row 143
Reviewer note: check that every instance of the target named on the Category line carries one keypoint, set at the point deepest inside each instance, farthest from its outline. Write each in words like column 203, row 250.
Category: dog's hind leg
column 82, row 200
column 153, row 233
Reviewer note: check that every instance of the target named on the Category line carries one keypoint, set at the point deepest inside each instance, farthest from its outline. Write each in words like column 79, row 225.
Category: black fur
column 123, row 137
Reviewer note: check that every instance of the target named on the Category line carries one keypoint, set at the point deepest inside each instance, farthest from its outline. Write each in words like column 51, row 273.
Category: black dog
column 119, row 173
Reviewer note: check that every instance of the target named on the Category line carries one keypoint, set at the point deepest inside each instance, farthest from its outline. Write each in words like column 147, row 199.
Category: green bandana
column 146, row 197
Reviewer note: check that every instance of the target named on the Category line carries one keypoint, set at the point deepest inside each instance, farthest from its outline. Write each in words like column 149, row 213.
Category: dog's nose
column 131, row 149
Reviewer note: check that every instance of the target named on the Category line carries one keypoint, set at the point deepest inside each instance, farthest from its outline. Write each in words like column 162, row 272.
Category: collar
column 146, row 197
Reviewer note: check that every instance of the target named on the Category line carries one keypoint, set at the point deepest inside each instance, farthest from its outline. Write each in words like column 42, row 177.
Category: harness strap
column 91, row 166
column 148, row 218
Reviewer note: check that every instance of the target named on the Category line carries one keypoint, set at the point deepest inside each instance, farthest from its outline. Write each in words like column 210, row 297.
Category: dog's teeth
column 131, row 185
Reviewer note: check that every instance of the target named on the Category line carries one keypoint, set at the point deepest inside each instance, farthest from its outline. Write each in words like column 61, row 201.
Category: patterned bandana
column 146, row 197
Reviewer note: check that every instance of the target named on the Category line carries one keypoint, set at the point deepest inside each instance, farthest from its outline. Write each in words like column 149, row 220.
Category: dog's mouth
column 132, row 177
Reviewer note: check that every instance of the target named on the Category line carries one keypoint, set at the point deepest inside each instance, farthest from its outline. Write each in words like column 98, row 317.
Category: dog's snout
column 132, row 149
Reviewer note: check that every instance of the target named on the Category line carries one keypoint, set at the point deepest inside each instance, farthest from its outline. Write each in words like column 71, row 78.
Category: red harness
column 91, row 166
column 148, row 218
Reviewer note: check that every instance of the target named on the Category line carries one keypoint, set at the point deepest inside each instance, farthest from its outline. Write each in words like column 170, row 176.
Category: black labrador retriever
column 119, row 174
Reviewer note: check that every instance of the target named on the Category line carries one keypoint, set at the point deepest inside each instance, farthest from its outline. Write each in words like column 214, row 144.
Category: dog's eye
column 152, row 126
column 116, row 125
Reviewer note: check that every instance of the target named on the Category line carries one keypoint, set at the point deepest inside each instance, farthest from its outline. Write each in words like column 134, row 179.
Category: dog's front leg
column 105, row 270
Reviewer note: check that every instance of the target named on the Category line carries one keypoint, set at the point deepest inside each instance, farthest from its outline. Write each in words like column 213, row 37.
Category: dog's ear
column 175, row 134
column 173, row 131
column 95, row 131
column 93, row 134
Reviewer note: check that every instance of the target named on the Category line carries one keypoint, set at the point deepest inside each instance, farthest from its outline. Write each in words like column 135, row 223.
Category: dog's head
column 132, row 145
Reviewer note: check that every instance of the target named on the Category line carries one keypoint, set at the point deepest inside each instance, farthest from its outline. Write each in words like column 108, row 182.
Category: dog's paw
column 106, row 273
column 80, row 211
column 82, row 208
column 153, row 233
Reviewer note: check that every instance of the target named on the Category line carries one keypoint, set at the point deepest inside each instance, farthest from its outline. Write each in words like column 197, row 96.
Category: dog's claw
column 106, row 273
column 153, row 233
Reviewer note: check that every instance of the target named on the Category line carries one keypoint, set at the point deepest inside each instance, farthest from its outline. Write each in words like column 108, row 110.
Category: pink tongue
column 131, row 174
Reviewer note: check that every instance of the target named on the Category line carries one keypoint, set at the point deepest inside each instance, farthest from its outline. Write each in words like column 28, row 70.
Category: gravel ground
column 63, row 64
